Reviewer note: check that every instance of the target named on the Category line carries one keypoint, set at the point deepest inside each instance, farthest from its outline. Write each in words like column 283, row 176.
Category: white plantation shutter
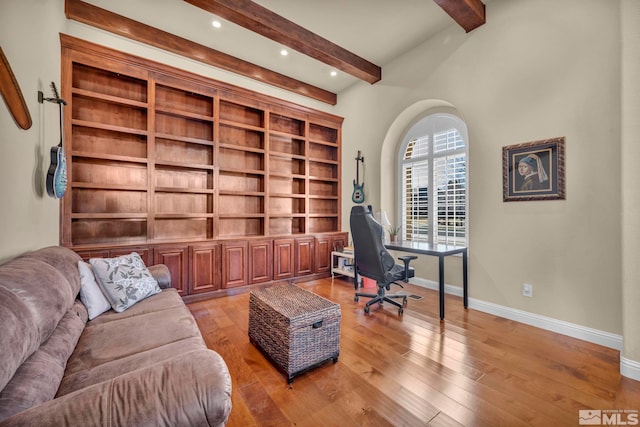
column 450, row 182
column 415, row 203
column 434, row 188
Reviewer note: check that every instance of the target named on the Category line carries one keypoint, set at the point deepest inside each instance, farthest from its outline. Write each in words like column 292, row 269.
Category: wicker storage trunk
column 298, row 330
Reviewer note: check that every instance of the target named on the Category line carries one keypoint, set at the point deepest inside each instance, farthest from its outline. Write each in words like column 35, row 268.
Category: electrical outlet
column 527, row 290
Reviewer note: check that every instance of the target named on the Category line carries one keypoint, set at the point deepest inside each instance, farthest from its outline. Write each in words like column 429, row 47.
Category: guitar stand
column 55, row 100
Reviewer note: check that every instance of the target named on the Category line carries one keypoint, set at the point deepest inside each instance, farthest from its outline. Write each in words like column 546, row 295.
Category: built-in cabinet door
column 304, row 256
column 324, row 246
column 323, row 254
column 176, row 260
column 283, row 259
column 261, row 261
column 205, row 268
column 235, row 267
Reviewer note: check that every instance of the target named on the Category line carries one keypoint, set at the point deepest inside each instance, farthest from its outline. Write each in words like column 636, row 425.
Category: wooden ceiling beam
column 86, row 13
column 469, row 14
column 258, row 19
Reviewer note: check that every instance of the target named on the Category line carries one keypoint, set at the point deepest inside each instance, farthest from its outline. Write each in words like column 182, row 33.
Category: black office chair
column 372, row 260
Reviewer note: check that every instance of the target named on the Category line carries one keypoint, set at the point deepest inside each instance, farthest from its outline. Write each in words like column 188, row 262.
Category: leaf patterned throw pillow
column 125, row 280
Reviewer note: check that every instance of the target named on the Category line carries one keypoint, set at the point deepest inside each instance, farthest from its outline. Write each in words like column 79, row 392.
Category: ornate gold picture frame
column 534, row 171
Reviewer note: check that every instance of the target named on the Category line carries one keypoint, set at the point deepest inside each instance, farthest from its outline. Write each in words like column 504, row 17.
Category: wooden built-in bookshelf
column 187, row 169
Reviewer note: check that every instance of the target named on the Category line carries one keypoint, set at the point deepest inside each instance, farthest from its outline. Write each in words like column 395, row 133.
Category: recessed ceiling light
column 216, row 24
column 284, row 52
column 333, row 73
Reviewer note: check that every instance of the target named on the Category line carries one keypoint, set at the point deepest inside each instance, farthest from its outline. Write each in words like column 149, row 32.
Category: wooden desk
column 441, row 251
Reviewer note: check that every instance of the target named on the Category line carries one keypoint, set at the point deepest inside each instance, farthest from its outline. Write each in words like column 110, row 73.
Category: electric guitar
column 57, row 173
column 358, row 189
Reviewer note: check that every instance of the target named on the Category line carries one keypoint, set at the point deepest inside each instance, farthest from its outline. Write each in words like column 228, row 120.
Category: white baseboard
column 629, row 368
column 550, row 324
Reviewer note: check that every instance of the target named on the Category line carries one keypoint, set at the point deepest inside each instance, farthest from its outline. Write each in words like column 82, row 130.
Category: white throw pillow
column 90, row 293
column 125, row 280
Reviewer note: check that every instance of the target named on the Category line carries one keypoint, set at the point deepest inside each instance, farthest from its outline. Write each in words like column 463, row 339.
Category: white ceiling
column 376, row 30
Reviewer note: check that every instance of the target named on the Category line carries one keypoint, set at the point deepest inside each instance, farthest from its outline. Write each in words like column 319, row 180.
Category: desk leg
column 441, row 283
column 465, row 285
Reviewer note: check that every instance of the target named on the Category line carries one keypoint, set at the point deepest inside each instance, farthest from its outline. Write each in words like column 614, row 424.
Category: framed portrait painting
column 533, row 171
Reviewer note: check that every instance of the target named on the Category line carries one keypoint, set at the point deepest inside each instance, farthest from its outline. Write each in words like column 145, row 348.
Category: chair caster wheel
column 356, row 299
column 404, row 302
column 366, row 309
column 400, row 311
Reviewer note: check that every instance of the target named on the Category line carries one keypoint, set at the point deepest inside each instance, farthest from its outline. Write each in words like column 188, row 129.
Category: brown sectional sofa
column 145, row 366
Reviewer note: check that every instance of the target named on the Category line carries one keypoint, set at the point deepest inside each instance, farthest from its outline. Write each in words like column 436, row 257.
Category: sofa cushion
column 168, row 298
column 162, row 327
column 65, row 261
column 38, row 378
column 125, row 280
column 193, row 389
column 90, row 293
column 19, row 338
column 35, row 294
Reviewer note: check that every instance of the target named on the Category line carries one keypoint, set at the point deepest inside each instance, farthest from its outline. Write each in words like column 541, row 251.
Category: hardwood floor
column 473, row 369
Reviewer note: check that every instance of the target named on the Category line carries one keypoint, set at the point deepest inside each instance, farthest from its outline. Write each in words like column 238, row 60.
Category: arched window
column 433, row 181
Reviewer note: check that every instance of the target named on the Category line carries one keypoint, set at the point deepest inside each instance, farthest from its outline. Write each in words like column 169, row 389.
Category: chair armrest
column 406, row 260
column 161, row 273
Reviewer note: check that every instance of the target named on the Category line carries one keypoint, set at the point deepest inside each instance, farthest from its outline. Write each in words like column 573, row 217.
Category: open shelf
column 109, row 114
column 326, row 134
column 169, row 177
column 178, row 101
column 185, row 127
column 240, row 204
column 103, row 142
column 237, row 227
column 108, row 201
column 98, row 231
column 183, row 228
column 285, row 144
column 322, row 170
column 323, row 152
column 286, row 125
column 105, row 82
column 286, row 225
column 287, row 165
column 286, row 205
column 240, row 113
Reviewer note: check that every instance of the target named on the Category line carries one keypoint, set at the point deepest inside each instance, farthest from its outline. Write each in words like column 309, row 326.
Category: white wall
column 28, row 217
column 536, row 70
